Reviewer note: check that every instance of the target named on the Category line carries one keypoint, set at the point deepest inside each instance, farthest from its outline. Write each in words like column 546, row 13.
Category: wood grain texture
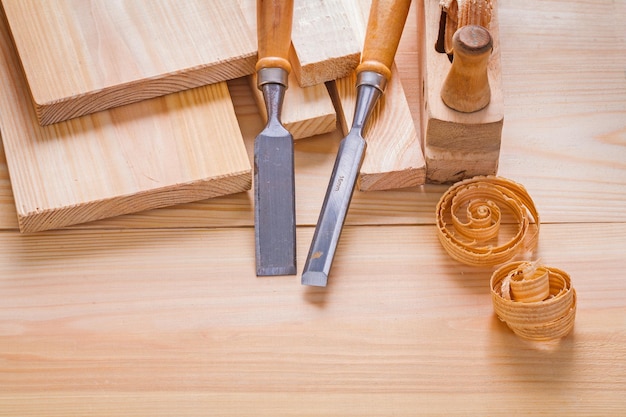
column 102, row 54
column 404, row 329
column 564, row 139
column 393, row 158
column 459, row 145
column 180, row 148
column 159, row 313
column 325, row 46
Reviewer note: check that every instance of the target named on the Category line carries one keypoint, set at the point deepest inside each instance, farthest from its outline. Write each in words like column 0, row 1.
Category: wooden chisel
column 384, row 28
column 274, row 188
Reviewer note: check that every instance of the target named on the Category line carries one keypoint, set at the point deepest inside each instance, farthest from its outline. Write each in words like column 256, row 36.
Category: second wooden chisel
column 384, row 29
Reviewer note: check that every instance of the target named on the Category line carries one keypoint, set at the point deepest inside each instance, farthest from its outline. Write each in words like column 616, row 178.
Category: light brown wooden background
column 160, row 313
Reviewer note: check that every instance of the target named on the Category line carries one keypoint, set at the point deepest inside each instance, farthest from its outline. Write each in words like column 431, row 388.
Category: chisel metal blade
column 334, row 210
column 341, row 187
column 274, row 188
column 274, row 191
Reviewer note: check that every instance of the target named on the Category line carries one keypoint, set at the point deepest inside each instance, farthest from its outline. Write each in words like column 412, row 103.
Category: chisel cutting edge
column 384, row 29
column 274, row 187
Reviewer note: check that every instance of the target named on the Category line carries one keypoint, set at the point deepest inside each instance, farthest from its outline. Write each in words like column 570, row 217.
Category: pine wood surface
column 124, row 324
column 175, row 149
column 325, row 45
column 160, row 313
column 103, row 54
column 132, row 52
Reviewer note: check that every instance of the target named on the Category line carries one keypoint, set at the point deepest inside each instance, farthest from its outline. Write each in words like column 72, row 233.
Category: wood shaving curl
column 537, row 302
column 469, row 218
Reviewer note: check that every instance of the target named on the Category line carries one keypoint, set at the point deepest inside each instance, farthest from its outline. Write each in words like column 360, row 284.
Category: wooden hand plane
column 463, row 109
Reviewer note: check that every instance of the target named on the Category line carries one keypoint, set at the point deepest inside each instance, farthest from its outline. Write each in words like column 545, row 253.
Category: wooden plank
column 325, row 45
column 179, row 148
column 102, row 54
column 174, row 322
column 459, row 145
column 307, row 111
column 393, row 158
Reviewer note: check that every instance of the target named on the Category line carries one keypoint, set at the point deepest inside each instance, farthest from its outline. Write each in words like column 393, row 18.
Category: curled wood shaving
column 469, row 219
column 537, row 302
column 460, row 13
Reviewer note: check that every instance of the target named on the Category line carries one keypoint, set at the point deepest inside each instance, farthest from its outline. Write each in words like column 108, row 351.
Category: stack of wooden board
column 178, row 148
column 99, row 117
column 394, row 156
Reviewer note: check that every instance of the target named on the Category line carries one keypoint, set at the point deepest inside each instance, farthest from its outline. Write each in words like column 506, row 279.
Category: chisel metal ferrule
column 368, row 93
column 273, row 75
column 372, row 78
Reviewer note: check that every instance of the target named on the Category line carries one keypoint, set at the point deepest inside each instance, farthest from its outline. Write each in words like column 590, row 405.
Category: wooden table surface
column 160, row 313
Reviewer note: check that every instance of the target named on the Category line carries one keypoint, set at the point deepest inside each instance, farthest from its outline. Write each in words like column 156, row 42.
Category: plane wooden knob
column 466, row 88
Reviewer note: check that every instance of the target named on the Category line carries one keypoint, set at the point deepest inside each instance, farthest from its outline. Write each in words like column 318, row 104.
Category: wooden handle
column 384, row 28
column 466, row 88
column 274, row 19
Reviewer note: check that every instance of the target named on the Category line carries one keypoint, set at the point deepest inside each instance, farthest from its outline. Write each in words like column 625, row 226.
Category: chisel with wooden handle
column 274, row 188
column 384, row 28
